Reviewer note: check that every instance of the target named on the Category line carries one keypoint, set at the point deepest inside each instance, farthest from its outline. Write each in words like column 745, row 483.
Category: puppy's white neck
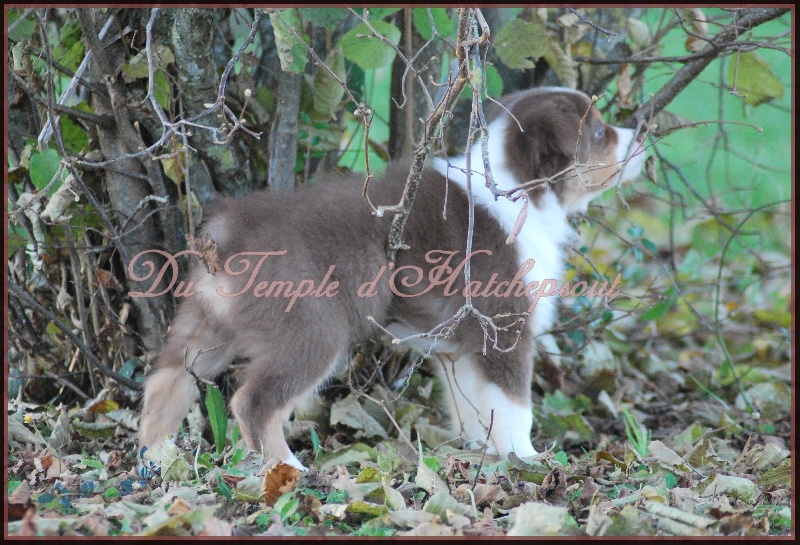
column 545, row 231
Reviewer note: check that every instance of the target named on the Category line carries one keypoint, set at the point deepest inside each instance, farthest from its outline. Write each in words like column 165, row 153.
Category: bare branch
column 746, row 19
column 29, row 300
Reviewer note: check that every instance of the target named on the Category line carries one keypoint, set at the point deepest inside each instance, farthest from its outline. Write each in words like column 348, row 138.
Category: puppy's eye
column 600, row 132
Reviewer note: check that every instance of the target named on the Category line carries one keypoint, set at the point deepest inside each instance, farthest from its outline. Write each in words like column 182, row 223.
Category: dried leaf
column 538, row 519
column 667, row 458
column 554, row 486
column 19, row 501
column 728, row 485
column 411, row 519
column 442, row 502
column 350, row 413
column 279, row 480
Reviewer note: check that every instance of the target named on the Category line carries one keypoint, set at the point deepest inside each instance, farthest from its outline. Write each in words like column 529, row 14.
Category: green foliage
column 752, row 76
column 22, row 30
column 286, row 506
column 291, row 50
column 368, row 51
column 328, row 18
column 326, row 90
column 43, row 168
column 668, row 327
column 217, row 416
column 376, row 14
column 521, row 43
column 441, row 20
column 639, row 436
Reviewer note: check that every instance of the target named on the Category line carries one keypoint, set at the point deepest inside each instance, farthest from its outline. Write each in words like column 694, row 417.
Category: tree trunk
column 127, row 182
column 213, row 167
column 283, row 136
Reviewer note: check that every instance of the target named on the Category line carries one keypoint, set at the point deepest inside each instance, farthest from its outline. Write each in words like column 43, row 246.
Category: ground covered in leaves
column 666, row 414
column 72, row 473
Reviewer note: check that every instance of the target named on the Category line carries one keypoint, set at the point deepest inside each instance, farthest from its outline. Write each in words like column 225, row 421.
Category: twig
column 590, row 23
column 483, row 451
column 98, row 365
column 47, row 131
column 391, row 417
column 402, row 209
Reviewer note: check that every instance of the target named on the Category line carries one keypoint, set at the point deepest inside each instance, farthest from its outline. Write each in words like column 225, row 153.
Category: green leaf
column 286, row 506
column 442, row 504
column 520, row 43
column 291, row 50
column 773, row 317
column 376, row 14
column 315, row 443
column 326, row 91
column 111, row 494
column 661, row 309
column 554, row 425
column 370, row 52
column 442, row 21
column 75, row 137
column 24, row 28
column 97, row 464
column 558, row 403
column 162, row 89
column 217, row 416
column 69, row 57
column 328, row 18
column 43, row 166
column 649, row 245
column 12, row 485
column 754, row 78
column 224, row 488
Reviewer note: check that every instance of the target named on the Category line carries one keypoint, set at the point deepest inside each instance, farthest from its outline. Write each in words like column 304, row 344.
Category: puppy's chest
column 542, row 238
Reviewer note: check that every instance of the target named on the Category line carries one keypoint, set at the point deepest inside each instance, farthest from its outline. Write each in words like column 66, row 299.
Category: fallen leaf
column 19, row 501
column 554, row 486
column 728, row 485
column 538, row 519
column 279, row 480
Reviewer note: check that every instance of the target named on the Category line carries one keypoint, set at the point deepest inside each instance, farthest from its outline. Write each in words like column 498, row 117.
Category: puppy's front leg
column 478, row 404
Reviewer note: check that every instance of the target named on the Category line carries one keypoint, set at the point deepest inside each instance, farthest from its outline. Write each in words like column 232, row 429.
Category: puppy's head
column 553, row 130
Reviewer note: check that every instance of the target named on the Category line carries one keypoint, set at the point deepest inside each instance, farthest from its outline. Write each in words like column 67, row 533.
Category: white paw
column 293, row 461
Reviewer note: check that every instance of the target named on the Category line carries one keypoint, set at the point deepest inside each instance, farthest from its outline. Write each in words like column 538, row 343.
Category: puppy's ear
column 545, row 146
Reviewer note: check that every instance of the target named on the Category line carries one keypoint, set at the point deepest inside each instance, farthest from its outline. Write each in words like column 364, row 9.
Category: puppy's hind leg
column 273, row 386
column 169, row 393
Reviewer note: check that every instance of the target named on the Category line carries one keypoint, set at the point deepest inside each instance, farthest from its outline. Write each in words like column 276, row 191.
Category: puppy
column 295, row 313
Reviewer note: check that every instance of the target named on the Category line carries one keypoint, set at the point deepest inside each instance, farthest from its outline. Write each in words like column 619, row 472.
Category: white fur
column 471, row 400
column 206, row 289
column 546, row 230
column 630, row 159
column 630, row 153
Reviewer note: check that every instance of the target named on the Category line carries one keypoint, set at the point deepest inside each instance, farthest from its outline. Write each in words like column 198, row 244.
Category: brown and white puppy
column 292, row 353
